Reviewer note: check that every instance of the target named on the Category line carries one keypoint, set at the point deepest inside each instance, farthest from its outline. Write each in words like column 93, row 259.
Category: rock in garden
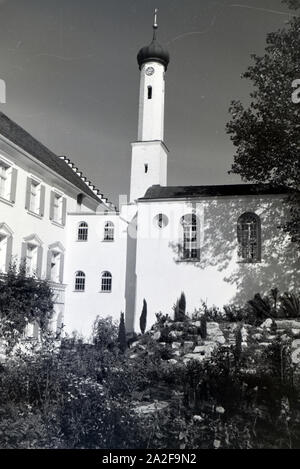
column 267, row 324
column 193, row 356
column 176, row 334
column 220, row 339
column 176, row 345
column 151, row 408
column 188, row 346
column 288, row 324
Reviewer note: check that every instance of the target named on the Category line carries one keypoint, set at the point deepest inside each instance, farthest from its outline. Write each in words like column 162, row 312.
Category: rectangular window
column 31, row 259
column 3, row 249
column 149, row 92
column 35, row 197
column 190, row 250
column 57, row 208
column 55, row 267
column 5, row 180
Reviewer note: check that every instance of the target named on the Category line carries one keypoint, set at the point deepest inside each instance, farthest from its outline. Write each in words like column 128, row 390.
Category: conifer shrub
column 180, row 309
column 143, row 318
column 122, row 340
column 203, row 327
column 238, row 342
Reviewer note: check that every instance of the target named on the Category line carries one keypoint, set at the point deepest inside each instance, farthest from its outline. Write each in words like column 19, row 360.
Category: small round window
column 161, row 221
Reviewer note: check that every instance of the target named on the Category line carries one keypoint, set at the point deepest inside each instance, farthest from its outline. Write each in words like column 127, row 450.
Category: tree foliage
column 266, row 132
column 23, row 300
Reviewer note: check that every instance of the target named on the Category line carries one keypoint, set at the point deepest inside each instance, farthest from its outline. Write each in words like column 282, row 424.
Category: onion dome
column 155, row 52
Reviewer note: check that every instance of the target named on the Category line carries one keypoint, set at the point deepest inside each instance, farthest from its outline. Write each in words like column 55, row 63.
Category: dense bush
column 105, row 333
column 23, row 300
column 72, row 394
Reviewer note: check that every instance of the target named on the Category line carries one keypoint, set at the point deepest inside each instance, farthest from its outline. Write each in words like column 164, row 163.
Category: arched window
column 190, row 247
column 106, row 282
column 79, row 281
column 109, row 231
column 83, row 230
column 249, row 237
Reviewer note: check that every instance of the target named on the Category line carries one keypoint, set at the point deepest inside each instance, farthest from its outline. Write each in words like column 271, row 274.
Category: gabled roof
column 24, row 140
column 181, row 192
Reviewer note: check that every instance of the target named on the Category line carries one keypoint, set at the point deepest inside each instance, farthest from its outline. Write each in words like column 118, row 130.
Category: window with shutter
column 58, row 208
column 6, row 179
column 6, row 239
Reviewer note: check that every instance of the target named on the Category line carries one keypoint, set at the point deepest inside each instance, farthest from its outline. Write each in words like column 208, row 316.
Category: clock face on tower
column 149, row 71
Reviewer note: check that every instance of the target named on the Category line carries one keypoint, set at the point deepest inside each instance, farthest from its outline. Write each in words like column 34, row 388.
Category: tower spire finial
column 155, row 25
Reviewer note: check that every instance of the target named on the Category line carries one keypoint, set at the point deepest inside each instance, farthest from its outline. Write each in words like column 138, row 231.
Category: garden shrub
column 180, row 309
column 290, row 306
column 143, row 318
column 105, row 333
column 23, row 300
column 122, row 340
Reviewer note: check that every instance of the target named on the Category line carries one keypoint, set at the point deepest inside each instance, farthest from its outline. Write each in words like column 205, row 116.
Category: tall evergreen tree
column 267, row 132
column 180, row 309
column 143, row 318
column 122, row 342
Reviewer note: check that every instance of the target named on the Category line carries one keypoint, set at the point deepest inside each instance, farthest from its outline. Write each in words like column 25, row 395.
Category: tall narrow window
column 3, row 180
column 80, row 281
column 55, row 262
column 31, row 259
column 35, row 195
column 109, row 231
column 83, row 231
column 146, row 168
column 58, row 208
column 249, row 237
column 32, row 255
column 8, row 181
column 5, row 247
column 190, row 247
column 106, row 282
column 149, row 92
column 55, row 266
column 3, row 241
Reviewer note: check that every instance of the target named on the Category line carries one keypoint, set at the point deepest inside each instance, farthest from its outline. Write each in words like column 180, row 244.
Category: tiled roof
column 61, row 165
column 174, row 192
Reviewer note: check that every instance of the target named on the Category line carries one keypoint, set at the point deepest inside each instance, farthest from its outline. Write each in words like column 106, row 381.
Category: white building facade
column 217, row 244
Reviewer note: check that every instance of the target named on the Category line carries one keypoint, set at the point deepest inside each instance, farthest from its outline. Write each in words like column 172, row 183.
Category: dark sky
column 73, row 81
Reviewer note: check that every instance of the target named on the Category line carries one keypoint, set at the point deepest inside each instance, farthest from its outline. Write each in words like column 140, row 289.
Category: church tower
column 149, row 153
